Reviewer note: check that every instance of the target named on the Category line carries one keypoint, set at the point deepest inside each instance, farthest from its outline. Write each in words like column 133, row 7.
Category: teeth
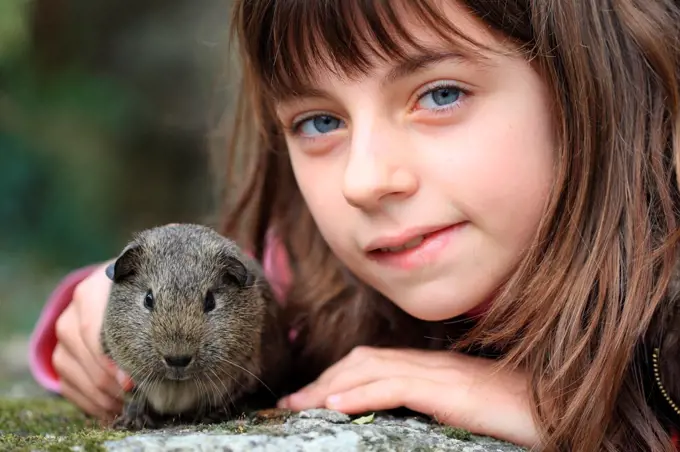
column 410, row 244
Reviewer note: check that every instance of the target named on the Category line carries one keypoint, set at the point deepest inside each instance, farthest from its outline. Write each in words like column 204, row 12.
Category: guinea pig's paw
column 134, row 417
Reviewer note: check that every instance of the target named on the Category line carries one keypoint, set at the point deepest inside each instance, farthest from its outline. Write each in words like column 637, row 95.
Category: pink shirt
column 44, row 339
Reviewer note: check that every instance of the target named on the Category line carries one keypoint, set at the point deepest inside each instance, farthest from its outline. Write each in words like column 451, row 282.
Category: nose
column 377, row 169
column 177, row 361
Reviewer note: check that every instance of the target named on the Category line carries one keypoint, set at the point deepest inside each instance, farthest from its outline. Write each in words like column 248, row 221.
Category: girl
column 494, row 177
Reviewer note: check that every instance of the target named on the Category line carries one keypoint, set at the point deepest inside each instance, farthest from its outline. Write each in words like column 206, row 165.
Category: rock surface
column 31, row 420
column 316, row 431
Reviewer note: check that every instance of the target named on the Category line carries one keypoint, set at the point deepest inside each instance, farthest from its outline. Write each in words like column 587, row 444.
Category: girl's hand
column 87, row 377
column 455, row 389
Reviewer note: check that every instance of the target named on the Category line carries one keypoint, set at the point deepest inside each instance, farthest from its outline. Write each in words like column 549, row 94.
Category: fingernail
column 124, row 381
column 283, row 403
column 296, row 399
column 333, row 400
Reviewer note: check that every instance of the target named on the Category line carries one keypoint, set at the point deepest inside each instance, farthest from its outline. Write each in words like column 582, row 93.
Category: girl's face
column 428, row 180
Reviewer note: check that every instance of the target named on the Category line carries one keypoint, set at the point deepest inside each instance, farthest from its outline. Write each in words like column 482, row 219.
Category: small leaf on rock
column 364, row 419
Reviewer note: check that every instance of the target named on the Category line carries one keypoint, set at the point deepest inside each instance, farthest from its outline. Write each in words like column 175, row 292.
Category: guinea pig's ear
column 235, row 271
column 125, row 265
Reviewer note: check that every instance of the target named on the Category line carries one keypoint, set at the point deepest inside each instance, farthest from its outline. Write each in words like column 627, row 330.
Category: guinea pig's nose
column 177, row 361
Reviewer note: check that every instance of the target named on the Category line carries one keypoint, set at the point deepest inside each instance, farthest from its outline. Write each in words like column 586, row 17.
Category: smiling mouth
column 408, row 244
column 410, row 252
column 414, row 242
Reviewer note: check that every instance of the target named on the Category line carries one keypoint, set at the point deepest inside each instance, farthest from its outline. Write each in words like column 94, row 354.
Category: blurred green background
column 108, row 110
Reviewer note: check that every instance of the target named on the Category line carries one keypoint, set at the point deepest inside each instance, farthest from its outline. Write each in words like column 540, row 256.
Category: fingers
column 102, row 370
column 455, row 389
column 88, row 378
column 495, row 408
column 95, row 291
column 371, row 370
column 83, row 402
column 427, row 397
column 78, row 387
column 362, row 357
column 385, row 394
column 365, row 364
column 72, row 349
column 90, row 299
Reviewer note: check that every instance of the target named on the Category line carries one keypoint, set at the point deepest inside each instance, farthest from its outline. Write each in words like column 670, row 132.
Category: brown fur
column 238, row 349
column 576, row 311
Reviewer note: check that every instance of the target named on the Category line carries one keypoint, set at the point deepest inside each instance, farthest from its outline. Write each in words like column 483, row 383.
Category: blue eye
column 439, row 97
column 319, row 125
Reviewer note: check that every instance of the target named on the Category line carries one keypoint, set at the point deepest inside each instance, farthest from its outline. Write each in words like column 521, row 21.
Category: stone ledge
column 53, row 424
column 314, row 430
column 31, row 420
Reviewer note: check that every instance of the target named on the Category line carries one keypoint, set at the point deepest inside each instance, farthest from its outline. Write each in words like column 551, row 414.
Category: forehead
column 349, row 39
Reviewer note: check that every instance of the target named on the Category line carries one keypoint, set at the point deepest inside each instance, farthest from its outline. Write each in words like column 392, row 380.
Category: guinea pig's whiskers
column 250, row 373
column 213, row 391
column 154, row 382
column 232, row 378
column 225, row 389
column 144, row 373
column 202, row 389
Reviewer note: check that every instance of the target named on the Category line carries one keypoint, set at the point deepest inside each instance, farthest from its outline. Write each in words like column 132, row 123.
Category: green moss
column 34, row 416
column 241, row 427
column 233, row 427
column 51, row 425
column 457, row 433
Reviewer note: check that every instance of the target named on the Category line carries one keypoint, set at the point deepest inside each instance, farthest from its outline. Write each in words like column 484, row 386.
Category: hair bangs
column 287, row 43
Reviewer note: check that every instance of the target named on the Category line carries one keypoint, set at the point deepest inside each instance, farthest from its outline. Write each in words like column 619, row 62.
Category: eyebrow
column 411, row 64
column 419, row 61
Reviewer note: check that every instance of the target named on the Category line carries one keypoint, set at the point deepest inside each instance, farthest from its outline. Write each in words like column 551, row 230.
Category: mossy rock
column 51, row 425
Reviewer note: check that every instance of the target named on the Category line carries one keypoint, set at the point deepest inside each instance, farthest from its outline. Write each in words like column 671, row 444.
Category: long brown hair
column 575, row 312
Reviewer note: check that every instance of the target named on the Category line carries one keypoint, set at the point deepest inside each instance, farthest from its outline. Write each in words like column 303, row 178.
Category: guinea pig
column 193, row 321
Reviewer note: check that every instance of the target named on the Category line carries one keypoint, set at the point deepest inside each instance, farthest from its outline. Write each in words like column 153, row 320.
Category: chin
column 433, row 316
column 427, row 313
column 431, row 307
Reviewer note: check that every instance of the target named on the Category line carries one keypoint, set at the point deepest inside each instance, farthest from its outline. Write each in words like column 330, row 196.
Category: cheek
column 514, row 189
column 320, row 183
column 505, row 167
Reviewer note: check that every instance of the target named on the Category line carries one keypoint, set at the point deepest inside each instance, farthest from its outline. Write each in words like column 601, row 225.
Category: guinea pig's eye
column 148, row 300
column 209, row 302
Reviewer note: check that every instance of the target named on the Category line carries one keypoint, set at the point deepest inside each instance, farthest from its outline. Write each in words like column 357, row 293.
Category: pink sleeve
column 277, row 272
column 275, row 266
column 44, row 338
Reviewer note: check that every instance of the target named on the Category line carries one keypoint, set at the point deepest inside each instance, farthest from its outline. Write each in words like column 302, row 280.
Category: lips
column 404, row 241
column 415, row 250
column 408, row 245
